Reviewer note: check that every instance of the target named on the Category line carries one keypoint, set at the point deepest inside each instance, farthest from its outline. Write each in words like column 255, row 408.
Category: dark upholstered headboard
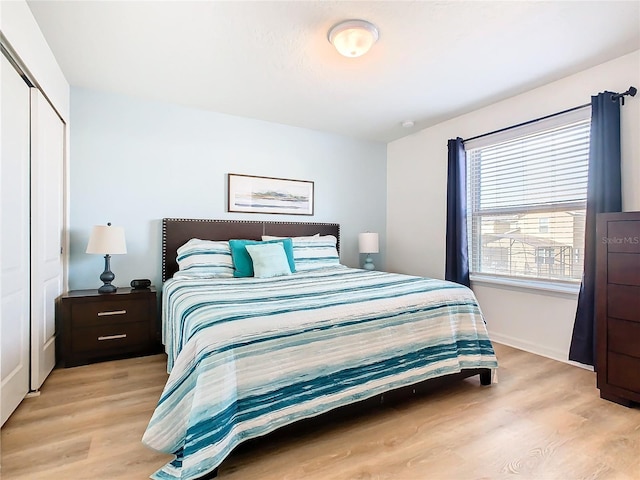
column 178, row 231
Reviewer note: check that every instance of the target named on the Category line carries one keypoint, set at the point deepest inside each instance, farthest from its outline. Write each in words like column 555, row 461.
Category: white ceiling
column 271, row 60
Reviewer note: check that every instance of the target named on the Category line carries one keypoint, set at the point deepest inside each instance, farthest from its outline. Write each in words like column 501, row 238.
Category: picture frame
column 254, row 194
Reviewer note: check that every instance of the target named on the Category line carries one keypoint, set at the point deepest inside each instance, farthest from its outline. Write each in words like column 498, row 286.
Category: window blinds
column 527, row 193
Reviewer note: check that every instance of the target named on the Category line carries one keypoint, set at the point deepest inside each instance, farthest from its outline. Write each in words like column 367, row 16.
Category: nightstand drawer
column 107, row 313
column 110, row 337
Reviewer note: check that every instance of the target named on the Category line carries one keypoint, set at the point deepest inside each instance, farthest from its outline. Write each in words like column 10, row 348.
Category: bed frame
column 177, row 231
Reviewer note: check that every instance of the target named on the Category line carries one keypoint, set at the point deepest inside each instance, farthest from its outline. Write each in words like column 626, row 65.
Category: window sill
column 566, row 289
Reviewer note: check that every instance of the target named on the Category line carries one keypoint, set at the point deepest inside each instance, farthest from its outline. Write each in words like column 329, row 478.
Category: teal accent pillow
column 242, row 260
column 269, row 260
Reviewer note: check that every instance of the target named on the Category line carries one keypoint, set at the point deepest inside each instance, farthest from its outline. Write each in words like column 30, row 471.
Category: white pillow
column 269, row 260
column 204, row 258
column 313, row 252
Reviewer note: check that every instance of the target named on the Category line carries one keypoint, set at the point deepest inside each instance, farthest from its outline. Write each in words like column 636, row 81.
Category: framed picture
column 251, row 194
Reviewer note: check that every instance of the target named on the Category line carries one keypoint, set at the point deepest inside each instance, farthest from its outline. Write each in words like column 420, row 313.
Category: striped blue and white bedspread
column 250, row 355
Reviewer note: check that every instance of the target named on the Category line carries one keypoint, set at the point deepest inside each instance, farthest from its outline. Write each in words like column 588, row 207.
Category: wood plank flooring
column 542, row 420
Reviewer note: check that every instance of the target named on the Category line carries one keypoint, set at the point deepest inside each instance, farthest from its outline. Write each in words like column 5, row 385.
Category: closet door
column 47, row 163
column 14, row 240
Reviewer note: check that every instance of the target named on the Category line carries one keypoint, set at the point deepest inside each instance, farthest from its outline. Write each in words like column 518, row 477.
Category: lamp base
column 368, row 263
column 108, row 288
column 107, row 277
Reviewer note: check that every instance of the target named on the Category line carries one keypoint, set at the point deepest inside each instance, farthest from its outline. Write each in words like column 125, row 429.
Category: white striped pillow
column 204, row 258
column 311, row 253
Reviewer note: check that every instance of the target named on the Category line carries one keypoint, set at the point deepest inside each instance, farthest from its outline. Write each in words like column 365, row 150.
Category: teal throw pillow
column 243, row 265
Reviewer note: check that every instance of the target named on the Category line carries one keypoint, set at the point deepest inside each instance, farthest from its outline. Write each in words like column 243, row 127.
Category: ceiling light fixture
column 353, row 38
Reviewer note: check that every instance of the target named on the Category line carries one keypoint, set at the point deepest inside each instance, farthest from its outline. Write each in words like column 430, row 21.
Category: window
column 543, row 225
column 527, row 191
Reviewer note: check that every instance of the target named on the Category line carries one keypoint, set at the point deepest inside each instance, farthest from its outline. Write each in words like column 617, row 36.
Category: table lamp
column 368, row 243
column 107, row 241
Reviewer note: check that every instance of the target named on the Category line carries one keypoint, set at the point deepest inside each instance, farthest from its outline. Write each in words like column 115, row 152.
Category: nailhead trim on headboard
column 297, row 229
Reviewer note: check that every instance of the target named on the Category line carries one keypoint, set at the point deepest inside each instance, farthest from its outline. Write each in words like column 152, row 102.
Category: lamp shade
column 353, row 38
column 107, row 240
column 368, row 242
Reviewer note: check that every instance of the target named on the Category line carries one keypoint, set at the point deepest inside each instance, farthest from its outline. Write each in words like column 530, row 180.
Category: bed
column 248, row 356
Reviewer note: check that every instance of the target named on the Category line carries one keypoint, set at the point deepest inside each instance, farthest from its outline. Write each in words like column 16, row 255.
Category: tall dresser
column 618, row 306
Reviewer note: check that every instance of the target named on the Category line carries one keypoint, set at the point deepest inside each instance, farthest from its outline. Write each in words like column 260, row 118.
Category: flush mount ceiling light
column 353, row 38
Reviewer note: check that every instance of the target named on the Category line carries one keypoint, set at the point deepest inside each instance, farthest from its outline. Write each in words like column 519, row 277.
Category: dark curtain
column 604, row 194
column 457, row 253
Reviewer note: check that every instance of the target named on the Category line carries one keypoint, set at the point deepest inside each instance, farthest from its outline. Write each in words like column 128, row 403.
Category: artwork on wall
column 251, row 194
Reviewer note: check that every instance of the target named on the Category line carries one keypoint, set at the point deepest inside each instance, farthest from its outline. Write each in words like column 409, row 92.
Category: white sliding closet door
column 14, row 240
column 47, row 162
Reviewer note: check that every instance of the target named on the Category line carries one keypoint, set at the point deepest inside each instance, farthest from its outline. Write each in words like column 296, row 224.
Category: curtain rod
column 616, row 96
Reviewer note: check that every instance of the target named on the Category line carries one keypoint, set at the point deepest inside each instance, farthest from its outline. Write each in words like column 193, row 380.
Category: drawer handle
column 112, row 337
column 113, row 312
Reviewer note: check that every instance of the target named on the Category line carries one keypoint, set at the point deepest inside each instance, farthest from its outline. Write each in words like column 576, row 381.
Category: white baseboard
column 536, row 349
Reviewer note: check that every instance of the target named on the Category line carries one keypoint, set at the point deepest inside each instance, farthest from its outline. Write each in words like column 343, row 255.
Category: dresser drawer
column 623, row 337
column 623, row 302
column 623, row 371
column 104, row 338
column 623, row 236
column 108, row 313
column 624, row 268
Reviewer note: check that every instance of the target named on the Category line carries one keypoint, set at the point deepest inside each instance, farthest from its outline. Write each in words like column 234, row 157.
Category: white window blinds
column 527, row 191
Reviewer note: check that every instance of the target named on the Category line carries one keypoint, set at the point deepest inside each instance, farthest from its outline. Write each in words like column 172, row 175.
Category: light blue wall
column 134, row 162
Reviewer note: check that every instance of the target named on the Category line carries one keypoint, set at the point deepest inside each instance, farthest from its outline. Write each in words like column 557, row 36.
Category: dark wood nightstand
column 93, row 327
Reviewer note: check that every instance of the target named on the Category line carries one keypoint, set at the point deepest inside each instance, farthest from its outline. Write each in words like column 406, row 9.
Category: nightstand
column 93, row 327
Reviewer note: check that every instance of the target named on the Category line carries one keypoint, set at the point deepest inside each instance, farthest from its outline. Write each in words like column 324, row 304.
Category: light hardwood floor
column 542, row 420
